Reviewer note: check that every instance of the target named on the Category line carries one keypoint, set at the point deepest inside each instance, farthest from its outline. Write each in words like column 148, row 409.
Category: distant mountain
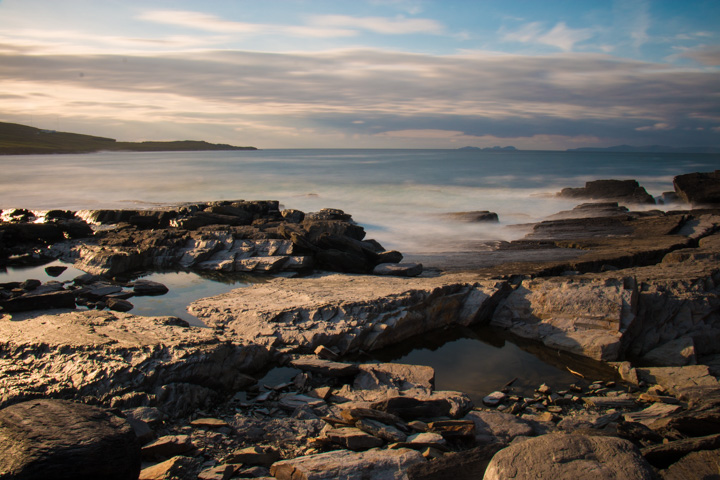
column 16, row 139
column 490, row 149
column 647, row 149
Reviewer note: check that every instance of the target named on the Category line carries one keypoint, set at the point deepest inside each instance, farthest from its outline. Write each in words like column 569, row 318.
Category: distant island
column 16, row 139
column 490, row 149
column 647, row 149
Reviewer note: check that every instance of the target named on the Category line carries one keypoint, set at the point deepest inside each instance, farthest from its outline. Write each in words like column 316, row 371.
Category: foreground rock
column 56, row 439
column 122, row 360
column 570, row 456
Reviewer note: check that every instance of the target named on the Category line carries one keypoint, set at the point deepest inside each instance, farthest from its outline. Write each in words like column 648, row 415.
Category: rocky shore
column 636, row 289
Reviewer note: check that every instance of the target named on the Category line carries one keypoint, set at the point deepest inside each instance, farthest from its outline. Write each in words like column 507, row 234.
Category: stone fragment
column 375, row 464
column 651, row 414
column 437, row 404
column 354, row 414
column 494, row 398
column 209, row 423
column 325, row 353
column 176, row 468
column 325, row 367
column 62, row 440
column 353, row 438
column 218, row 472
column 262, row 455
column 385, row 432
column 168, row 446
column 427, row 438
column 291, row 402
column 569, row 456
column 454, row 429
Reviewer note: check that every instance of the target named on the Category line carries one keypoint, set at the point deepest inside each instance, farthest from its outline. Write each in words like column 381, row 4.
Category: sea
column 400, row 197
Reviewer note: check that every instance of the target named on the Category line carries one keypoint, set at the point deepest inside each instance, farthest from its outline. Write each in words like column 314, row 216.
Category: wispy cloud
column 707, row 55
column 560, row 36
column 388, row 26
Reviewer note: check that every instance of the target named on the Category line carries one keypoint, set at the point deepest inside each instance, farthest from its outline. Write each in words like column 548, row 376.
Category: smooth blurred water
column 397, row 195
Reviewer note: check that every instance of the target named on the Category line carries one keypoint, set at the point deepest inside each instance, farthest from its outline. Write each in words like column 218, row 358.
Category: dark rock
column 411, row 408
column 59, row 215
column 167, row 446
column 398, row 269
column 621, row 190
column 14, row 234
column 55, row 270
column 293, row 216
column 119, row 305
column 43, row 301
column 699, row 188
column 30, row 285
column 702, row 465
column 43, row 439
column 638, row 433
column 391, row 256
column 339, row 261
column 148, row 287
column 329, row 214
column 465, row 465
column 474, row 217
column 665, row 454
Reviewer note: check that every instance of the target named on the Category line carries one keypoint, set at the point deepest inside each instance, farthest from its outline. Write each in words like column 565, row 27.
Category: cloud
column 655, row 127
column 706, row 55
column 387, row 26
column 560, row 36
column 212, row 23
column 372, row 95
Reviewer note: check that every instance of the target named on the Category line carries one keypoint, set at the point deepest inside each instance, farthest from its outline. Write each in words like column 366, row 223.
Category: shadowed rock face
column 623, row 191
column 699, row 188
column 57, row 439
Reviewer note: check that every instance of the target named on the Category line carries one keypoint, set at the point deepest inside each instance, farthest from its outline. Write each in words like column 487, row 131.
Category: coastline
column 637, row 292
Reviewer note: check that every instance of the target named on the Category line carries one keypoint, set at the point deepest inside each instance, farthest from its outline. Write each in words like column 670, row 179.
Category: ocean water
column 399, row 196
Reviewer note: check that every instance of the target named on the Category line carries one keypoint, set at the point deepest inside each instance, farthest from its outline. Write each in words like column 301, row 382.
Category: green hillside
column 16, row 139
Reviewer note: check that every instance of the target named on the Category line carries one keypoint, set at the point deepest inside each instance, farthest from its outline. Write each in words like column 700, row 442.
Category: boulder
column 375, row 464
column 570, row 456
column 58, row 439
column 624, row 191
column 699, row 188
column 119, row 305
column 148, row 287
column 474, row 216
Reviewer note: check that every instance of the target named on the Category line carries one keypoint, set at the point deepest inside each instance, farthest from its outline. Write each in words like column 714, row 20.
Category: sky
column 547, row 75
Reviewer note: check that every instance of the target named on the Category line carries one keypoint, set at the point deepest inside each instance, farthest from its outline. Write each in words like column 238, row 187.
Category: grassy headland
column 16, row 139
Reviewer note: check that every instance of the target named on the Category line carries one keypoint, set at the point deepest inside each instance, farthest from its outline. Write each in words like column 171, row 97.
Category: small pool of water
column 184, row 287
column 481, row 360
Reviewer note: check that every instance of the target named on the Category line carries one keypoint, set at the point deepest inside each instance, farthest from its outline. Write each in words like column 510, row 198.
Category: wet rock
column 698, row 188
column 376, row 464
column 177, row 468
column 569, row 456
column 495, row 398
column 398, row 269
column 55, row 270
column 474, row 216
column 625, row 191
column 119, row 305
column 58, row 439
column 42, row 301
column 148, row 287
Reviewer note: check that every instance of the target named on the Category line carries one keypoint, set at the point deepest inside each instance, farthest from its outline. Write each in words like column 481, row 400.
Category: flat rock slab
column 577, row 457
column 690, row 382
column 375, row 464
column 91, row 353
column 703, row 465
column 62, row 440
column 348, row 312
column 494, row 427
